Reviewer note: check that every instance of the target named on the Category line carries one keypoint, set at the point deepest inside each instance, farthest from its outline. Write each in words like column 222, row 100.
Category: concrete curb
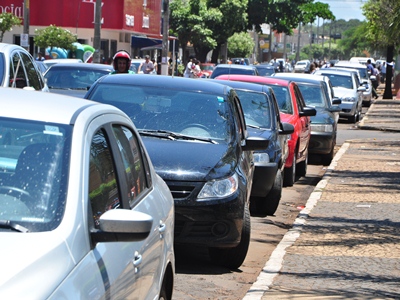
column 274, row 264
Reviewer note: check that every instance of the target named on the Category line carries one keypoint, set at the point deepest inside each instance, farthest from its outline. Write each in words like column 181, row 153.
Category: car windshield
column 34, row 162
column 283, row 98
column 313, row 95
column 256, row 108
column 207, row 67
column 238, row 71
column 73, row 78
column 340, row 81
column 265, row 71
column 187, row 113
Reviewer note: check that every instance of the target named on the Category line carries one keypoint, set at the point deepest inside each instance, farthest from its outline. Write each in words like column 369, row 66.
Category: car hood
column 36, row 264
column 343, row 92
column 323, row 116
column 191, row 161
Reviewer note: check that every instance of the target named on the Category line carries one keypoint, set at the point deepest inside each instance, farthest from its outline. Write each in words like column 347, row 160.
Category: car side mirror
column 336, row 101
column 253, row 143
column 308, row 111
column 286, row 128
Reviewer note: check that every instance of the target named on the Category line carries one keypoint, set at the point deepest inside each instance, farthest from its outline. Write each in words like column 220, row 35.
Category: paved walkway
column 345, row 244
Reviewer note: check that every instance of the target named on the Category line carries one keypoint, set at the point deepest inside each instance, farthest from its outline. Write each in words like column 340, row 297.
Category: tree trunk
column 389, row 73
column 215, row 54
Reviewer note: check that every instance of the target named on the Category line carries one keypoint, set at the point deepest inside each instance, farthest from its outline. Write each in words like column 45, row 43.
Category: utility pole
column 97, row 37
column 164, row 51
column 25, row 36
column 298, row 43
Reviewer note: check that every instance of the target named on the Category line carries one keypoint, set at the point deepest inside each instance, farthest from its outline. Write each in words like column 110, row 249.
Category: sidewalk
column 345, row 244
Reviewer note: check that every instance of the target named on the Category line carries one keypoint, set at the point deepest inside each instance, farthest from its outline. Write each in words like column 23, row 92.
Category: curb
column 274, row 264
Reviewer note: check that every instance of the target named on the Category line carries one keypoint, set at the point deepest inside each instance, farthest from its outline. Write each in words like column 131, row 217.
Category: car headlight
column 322, row 127
column 219, row 188
column 261, row 158
column 349, row 99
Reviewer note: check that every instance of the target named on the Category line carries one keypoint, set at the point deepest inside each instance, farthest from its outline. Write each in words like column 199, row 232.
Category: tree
column 7, row 21
column 240, row 45
column 54, row 36
column 383, row 17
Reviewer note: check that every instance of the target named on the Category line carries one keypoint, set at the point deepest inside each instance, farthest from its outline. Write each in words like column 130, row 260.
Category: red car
column 206, row 70
column 294, row 111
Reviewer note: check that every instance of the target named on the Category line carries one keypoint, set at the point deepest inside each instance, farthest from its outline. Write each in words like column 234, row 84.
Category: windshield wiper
column 12, row 225
column 174, row 136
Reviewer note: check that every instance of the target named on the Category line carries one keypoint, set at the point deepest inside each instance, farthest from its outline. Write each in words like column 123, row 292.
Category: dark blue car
column 262, row 117
column 196, row 136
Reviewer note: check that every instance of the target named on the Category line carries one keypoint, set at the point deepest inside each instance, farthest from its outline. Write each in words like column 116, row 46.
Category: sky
column 346, row 9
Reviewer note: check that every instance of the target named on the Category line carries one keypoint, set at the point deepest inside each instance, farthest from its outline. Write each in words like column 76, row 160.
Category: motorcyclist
column 122, row 63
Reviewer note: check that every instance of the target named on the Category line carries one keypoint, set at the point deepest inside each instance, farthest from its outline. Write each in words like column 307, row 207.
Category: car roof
column 242, row 85
column 350, row 64
column 264, row 66
column 250, row 67
column 82, row 66
column 255, row 79
column 40, row 106
column 337, row 72
column 62, row 60
column 311, row 78
column 4, row 47
column 166, row 82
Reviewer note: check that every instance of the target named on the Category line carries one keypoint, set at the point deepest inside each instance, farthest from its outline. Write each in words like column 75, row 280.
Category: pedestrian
column 40, row 57
column 242, row 62
column 147, row 66
column 122, row 63
column 197, row 70
column 383, row 72
column 275, row 64
column 189, row 67
column 370, row 67
column 155, row 66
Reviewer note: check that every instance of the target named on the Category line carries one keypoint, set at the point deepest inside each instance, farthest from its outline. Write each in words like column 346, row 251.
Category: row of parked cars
column 102, row 188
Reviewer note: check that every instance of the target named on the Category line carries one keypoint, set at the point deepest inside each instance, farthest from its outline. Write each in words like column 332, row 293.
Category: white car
column 302, row 66
column 347, row 88
column 83, row 214
column 18, row 69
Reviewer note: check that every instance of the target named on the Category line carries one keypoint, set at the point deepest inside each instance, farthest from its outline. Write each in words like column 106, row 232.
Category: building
column 125, row 24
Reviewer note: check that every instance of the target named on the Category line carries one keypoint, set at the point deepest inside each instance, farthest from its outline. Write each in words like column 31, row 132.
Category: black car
column 262, row 117
column 224, row 69
column 195, row 133
column 265, row 69
column 316, row 93
column 74, row 79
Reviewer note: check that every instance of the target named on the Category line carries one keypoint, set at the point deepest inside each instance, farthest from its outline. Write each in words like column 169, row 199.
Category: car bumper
column 263, row 179
column 321, row 142
column 348, row 109
column 210, row 223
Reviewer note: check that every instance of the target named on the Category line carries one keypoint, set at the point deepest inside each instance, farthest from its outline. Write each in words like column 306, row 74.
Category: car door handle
column 137, row 259
column 162, row 227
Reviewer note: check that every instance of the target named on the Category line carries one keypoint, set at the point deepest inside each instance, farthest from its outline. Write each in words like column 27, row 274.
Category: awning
column 140, row 42
column 155, row 47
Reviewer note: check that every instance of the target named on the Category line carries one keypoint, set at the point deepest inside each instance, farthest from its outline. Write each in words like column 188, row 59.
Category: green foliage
column 7, row 21
column 54, row 36
column 240, row 45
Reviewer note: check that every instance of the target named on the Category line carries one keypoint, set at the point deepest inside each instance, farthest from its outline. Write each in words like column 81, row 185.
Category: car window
column 104, row 193
column 256, row 108
column 312, row 95
column 73, row 78
column 34, row 162
column 34, row 79
column 341, row 80
column 283, row 98
column 299, row 98
column 136, row 171
column 17, row 73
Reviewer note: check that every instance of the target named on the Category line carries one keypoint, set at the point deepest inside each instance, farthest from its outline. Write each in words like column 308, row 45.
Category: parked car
column 84, row 215
column 362, row 60
column 294, row 111
column 18, row 69
column 265, row 69
column 365, row 80
column 302, row 66
column 74, row 79
column 261, row 112
column 237, row 60
column 348, row 89
column 53, row 61
column 206, row 70
column 196, row 136
column 41, row 66
column 222, row 69
column 135, row 64
column 316, row 93
column 287, row 67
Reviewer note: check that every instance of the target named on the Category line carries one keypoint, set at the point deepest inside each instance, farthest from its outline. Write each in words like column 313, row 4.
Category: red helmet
column 122, row 55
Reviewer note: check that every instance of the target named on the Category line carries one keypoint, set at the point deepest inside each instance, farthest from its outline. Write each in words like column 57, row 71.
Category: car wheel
column 301, row 169
column 353, row 118
column 290, row 173
column 327, row 158
column 264, row 206
column 233, row 258
column 164, row 294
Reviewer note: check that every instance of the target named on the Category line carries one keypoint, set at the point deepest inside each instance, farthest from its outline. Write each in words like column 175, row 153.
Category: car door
column 304, row 122
column 132, row 267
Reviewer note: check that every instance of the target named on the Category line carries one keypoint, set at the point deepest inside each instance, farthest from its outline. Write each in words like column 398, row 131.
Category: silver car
column 347, row 88
column 83, row 214
column 18, row 69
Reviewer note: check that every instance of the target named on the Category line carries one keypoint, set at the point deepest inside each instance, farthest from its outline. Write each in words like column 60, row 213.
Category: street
column 198, row 278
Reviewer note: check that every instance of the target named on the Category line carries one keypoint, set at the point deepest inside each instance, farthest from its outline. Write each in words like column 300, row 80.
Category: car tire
column 233, row 258
column 289, row 176
column 327, row 158
column 301, row 168
column 267, row 206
